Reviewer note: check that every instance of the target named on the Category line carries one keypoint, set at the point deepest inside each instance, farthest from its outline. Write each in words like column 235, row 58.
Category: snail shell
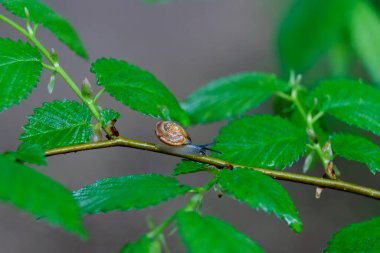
column 172, row 133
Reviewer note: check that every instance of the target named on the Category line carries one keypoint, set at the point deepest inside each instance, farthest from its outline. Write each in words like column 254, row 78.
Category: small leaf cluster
column 246, row 141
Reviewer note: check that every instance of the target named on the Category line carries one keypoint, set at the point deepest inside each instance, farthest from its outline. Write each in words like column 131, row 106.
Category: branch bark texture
column 337, row 184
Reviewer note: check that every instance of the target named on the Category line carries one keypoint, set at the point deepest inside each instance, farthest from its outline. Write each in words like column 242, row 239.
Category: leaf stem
column 97, row 96
column 49, row 67
column 318, row 116
column 194, row 202
column 280, row 175
column 157, row 231
column 57, row 68
column 309, row 120
column 298, row 104
column 161, row 237
column 284, row 96
column 93, row 108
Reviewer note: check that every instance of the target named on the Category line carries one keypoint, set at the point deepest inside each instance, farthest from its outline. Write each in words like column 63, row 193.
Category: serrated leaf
column 261, row 140
column 350, row 101
column 142, row 245
column 138, row 89
column 295, row 32
column 129, row 192
column 20, row 70
column 107, row 115
column 186, row 166
column 363, row 237
column 260, row 192
column 231, row 96
column 211, row 235
column 39, row 195
column 357, row 148
column 365, row 33
column 31, row 153
column 58, row 124
column 40, row 13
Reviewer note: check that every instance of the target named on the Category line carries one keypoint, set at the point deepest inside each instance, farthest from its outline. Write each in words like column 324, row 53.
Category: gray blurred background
column 185, row 44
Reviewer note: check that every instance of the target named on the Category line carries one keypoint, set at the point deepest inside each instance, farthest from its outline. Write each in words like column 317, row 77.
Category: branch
column 57, row 68
column 280, row 175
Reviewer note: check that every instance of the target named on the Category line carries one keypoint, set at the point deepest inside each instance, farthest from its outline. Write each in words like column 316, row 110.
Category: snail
column 175, row 136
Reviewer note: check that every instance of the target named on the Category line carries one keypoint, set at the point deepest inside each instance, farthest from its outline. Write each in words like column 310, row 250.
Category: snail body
column 174, row 135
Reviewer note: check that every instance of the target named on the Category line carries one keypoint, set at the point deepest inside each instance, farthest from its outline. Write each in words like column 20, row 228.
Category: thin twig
column 56, row 67
column 280, row 175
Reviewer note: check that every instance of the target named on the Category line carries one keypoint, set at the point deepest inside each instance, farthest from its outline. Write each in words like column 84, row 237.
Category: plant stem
column 124, row 142
column 57, row 68
column 194, row 202
column 97, row 96
column 298, row 104
column 93, row 108
column 47, row 66
column 160, row 228
column 280, row 175
column 161, row 236
column 309, row 120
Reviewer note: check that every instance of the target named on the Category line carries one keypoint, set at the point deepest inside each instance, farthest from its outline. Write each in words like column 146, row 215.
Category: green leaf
column 350, row 101
column 357, row 148
column 44, row 15
column 107, row 115
column 261, row 140
column 304, row 36
column 138, row 89
column 186, row 166
column 129, row 192
column 231, row 96
column 340, row 56
column 31, row 153
column 39, row 195
column 365, row 32
column 20, row 69
column 211, row 235
column 260, row 192
column 363, row 237
column 58, row 124
column 143, row 245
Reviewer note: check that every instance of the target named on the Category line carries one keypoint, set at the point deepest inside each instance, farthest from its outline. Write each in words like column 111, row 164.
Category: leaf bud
column 86, row 89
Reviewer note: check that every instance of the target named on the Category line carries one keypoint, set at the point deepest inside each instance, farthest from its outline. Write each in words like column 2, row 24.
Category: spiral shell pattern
column 172, row 133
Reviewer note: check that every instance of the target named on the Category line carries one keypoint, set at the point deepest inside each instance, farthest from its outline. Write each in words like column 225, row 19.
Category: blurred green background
column 337, row 38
